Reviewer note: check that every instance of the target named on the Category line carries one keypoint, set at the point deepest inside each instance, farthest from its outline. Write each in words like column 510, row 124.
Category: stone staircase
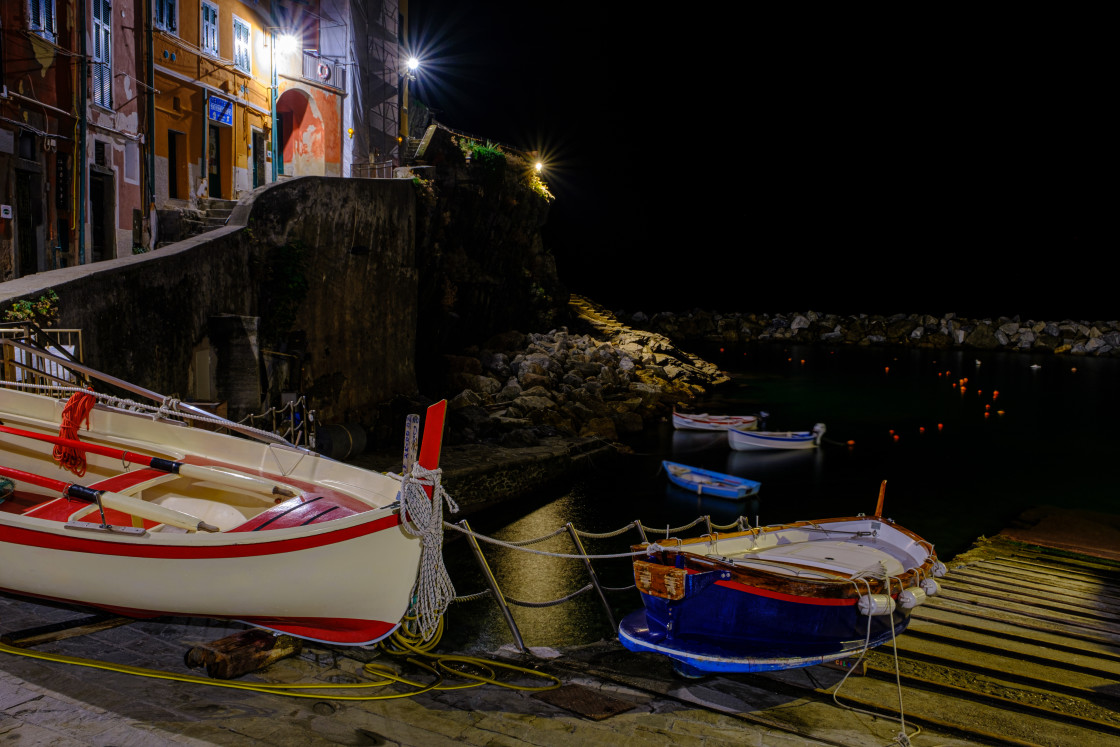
column 215, row 212
column 179, row 224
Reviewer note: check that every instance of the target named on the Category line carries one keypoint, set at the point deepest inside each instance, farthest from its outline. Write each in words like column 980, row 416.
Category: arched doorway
column 301, row 135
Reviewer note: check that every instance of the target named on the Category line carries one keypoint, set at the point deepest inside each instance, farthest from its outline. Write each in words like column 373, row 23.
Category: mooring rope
column 902, row 738
column 423, row 517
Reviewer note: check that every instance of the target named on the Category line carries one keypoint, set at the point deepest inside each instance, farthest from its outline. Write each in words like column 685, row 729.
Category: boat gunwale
column 770, row 580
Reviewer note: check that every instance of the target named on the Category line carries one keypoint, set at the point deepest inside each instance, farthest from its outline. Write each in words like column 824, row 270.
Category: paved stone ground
column 48, row 703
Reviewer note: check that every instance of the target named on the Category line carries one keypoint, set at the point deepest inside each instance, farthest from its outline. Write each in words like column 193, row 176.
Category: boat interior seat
column 220, row 515
column 834, row 555
column 302, row 511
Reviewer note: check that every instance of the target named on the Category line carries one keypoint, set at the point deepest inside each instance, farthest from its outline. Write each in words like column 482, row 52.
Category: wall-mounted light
column 286, row 44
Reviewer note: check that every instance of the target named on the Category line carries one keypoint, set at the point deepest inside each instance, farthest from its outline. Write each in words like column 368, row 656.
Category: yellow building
column 212, row 126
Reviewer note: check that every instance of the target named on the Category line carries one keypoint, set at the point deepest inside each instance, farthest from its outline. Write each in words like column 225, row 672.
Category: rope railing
column 503, row 600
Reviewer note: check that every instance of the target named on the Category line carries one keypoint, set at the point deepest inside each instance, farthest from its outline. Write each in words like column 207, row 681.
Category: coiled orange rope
column 76, row 410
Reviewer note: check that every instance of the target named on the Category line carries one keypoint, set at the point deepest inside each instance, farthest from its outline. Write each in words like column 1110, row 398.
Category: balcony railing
column 378, row 170
column 323, row 71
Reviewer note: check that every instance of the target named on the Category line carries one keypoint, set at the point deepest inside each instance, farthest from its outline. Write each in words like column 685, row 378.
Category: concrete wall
column 334, row 257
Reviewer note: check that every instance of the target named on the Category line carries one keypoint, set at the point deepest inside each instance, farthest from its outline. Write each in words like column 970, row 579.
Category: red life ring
column 324, row 71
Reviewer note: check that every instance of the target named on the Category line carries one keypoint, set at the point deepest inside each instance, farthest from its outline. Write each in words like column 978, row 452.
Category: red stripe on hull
column 785, row 597
column 32, row 538
column 344, row 631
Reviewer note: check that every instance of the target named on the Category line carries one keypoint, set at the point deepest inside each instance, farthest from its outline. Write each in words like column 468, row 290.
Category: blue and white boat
column 761, row 440
column 779, row 597
column 707, row 482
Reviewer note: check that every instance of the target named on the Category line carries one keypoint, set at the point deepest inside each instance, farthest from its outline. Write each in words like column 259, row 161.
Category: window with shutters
column 241, row 46
column 101, row 71
column 208, row 35
column 165, row 15
column 40, row 18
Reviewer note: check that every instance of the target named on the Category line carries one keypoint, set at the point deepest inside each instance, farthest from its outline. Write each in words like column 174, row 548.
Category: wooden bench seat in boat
column 303, row 510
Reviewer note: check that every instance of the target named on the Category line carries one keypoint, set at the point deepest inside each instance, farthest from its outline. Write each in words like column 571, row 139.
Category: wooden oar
column 194, row 471
column 118, row 501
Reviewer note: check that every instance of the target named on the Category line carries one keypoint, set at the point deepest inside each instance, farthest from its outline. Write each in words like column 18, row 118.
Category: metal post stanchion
column 594, row 577
column 493, row 584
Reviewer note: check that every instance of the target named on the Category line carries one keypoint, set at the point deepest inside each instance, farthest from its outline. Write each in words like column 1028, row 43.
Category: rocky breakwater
column 605, row 383
column 528, row 409
column 1098, row 338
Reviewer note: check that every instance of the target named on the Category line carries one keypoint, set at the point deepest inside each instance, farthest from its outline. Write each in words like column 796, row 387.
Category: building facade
column 113, row 110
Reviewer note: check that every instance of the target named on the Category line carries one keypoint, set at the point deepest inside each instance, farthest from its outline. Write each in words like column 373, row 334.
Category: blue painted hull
column 779, row 597
column 707, row 482
column 696, row 656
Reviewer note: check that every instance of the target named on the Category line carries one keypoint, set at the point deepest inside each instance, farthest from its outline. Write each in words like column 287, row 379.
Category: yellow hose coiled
column 403, row 642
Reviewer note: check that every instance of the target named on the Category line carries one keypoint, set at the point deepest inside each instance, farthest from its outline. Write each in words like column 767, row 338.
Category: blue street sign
column 221, row 110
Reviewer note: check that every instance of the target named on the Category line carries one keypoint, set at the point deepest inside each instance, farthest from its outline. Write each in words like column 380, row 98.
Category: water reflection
column 692, row 442
column 956, row 469
column 721, row 510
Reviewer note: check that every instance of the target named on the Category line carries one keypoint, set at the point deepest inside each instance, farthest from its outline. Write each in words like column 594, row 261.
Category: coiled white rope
column 423, row 517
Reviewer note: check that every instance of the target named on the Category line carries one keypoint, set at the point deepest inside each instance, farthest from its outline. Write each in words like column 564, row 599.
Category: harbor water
column 966, row 440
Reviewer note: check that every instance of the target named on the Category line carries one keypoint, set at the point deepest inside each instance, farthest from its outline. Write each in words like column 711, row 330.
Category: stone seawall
column 313, row 278
column 1097, row 338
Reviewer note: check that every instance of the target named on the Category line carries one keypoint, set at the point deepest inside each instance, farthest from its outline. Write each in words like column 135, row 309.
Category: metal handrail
column 149, row 394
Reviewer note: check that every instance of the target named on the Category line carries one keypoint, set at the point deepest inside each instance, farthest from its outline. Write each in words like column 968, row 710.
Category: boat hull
column 698, row 656
column 741, row 440
column 327, row 586
column 705, row 422
column 708, row 483
column 778, row 597
column 287, row 565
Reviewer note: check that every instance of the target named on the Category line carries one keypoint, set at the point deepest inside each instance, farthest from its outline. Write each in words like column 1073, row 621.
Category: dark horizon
column 792, row 161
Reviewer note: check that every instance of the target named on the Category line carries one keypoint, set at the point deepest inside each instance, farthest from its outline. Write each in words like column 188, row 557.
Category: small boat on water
column 741, row 440
column 779, row 597
column 707, row 482
column 704, row 422
column 164, row 519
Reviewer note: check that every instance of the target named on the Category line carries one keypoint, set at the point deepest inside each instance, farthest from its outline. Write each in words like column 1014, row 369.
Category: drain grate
column 583, row 701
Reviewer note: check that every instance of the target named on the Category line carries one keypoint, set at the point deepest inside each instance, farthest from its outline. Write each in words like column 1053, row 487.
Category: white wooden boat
column 176, row 520
column 702, row 421
column 763, row 440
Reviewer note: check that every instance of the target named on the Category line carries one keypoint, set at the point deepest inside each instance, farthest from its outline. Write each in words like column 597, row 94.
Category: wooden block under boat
column 242, row 653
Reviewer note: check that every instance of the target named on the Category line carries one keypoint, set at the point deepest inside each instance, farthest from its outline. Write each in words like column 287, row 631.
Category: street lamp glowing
column 286, row 44
column 538, row 166
column 413, row 63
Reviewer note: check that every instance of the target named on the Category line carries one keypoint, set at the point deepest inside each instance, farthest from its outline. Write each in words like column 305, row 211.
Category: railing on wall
column 293, row 421
column 26, row 367
column 323, row 71
column 379, row 170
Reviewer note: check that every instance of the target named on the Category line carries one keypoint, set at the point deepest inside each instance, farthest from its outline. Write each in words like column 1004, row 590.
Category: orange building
column 112, row 110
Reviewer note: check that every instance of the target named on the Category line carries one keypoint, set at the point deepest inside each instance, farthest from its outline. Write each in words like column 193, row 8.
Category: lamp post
column 272, row 97
column 411, row 66
column 287, row 44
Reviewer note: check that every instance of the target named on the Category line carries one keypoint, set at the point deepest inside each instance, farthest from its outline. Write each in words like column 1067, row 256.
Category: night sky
column 796, row 159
